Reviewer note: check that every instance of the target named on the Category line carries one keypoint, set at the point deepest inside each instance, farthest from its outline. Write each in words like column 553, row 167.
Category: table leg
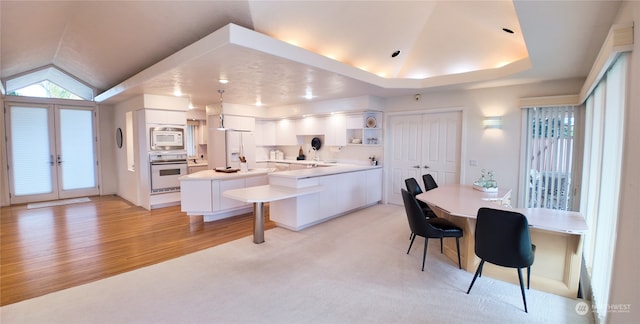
column 258, row 226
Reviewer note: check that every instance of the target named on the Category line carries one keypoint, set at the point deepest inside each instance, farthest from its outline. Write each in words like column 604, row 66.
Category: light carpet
column 353, row 269
column 57, row 202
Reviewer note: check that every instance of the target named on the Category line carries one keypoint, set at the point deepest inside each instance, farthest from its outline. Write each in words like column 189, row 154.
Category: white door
column 421, row 144
column 51, row 152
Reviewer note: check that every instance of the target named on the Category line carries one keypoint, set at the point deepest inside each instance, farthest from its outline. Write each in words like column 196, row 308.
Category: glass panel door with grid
column 51, row 152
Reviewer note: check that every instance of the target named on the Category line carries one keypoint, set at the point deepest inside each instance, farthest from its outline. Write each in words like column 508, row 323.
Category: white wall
column 4, row 180
column 625, row 287
column 107, row 140
column 127, row 180
column 494, row 149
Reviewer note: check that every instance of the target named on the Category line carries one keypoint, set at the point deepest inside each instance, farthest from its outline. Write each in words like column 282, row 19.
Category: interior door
column 51, row 152
column 441, row 149
column 421, row 144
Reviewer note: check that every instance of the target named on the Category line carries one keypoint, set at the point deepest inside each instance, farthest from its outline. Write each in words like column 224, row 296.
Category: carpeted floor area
column 353, row 269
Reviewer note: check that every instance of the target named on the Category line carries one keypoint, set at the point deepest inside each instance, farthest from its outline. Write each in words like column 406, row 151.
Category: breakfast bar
column 557, row 235
column 266, row 193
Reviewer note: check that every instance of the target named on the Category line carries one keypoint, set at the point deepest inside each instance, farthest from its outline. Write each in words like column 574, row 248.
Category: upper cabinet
column 338, row 129
column 286, row 132
column 365, row 128
column 240, row 123
column 265, row 133
column 335, row 130
column 310, row 126
column 165, row 117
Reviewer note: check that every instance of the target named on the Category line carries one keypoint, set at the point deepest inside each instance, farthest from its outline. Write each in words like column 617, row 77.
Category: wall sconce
column 492, row 122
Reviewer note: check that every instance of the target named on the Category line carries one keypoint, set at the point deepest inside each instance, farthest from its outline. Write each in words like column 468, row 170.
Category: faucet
column 316, row 158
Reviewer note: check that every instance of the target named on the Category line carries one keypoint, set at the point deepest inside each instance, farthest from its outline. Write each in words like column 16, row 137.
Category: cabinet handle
column 416, row 166
column 426, row 166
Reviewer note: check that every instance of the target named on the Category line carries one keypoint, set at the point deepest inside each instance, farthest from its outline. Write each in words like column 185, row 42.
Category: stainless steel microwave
column 167, row 138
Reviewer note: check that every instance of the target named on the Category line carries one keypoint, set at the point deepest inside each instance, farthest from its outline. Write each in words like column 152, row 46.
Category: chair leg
column 528, row 276
column 424, row 253
column 411, row 235
column 410, row 244
column 458, row 248
column 524, row 299
column 478, row 271
column 441, row 246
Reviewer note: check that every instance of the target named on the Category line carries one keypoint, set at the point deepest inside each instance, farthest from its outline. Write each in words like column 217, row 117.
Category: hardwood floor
column 48, row 249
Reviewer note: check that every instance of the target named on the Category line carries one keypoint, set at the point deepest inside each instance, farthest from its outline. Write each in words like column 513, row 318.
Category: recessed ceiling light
column 507, row 30
column 223, row 81
column 396, row 53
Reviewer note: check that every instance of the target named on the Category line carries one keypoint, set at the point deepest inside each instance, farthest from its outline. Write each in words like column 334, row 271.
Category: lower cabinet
column 204, row 197
column 342, row 193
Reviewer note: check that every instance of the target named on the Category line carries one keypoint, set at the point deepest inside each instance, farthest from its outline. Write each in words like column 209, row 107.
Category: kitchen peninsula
column 201, row 192
column 345, row 187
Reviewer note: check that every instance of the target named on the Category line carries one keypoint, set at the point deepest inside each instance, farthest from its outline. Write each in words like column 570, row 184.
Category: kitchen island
column 201, row 192
column 346, row 187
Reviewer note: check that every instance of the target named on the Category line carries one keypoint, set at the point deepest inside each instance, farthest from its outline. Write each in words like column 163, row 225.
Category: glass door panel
column 52, row 152
column 76, row 158
column 31, row 158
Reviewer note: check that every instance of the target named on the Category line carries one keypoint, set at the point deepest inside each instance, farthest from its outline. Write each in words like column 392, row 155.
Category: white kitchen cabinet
column 335, row 130
column 341, row 193
column 165, row 117
column 202, row 194
column 310, row 126
column 265, row 133
column 196, row 196
column 256, row 181
column 374, row 185
column 367, row 127
column 286, row 132
column 227, row 203
column 203, row 132
column 351, row 191
column 240, row 123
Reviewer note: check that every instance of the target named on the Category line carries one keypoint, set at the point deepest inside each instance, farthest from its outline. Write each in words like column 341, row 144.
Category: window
column 549, row 157
column 45, row 89
column 601, row 178
column 49, row 82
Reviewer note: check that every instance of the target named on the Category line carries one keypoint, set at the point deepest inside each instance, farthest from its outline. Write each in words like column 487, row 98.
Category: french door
column 51, row 152
column 421, row 144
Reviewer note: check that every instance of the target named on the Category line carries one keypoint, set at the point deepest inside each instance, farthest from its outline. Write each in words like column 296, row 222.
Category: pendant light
column 220, row 91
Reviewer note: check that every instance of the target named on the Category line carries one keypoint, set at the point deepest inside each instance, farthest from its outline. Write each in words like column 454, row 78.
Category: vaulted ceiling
column 331, row 49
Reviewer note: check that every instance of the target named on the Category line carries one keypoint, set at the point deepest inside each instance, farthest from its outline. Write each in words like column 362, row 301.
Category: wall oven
column 166, row 170
column 166, row 138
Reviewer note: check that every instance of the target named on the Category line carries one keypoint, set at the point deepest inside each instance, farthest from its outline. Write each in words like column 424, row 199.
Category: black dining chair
column 414, row 188
column 428, row 228
column 429, row 182
column 502, row 238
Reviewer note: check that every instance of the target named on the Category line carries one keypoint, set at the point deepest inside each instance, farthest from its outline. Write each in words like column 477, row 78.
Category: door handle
column 416, row 166
column 59, row 159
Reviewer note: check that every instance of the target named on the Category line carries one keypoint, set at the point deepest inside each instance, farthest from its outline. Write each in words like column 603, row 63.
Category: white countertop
column 268, row 193
column 198, row 162
column 213, row 175
column 464, row 201
column 333, row 168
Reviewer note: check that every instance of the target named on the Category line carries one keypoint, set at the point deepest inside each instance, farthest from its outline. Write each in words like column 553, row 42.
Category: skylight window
column 49, row 82
column 45, row 89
